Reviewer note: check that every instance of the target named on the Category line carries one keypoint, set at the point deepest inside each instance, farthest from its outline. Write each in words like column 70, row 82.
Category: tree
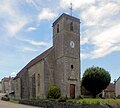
column 95, row 79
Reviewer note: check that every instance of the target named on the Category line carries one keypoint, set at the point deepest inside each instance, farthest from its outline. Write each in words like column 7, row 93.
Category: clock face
column 72, row 44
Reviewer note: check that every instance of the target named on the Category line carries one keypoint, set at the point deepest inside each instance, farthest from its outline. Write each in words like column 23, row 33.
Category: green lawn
column 95, row 101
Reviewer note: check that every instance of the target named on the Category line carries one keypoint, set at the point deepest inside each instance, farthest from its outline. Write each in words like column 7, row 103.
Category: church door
column 72, row 91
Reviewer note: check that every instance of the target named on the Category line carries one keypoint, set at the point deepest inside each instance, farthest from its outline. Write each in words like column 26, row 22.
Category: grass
column 88, row 101
column 14, row 101
column 95, row 101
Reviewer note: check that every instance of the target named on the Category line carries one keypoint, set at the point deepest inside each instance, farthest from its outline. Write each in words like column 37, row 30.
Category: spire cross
column 71, row 8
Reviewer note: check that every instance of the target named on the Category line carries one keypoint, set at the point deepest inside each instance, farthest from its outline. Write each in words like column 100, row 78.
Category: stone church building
column 59, row 65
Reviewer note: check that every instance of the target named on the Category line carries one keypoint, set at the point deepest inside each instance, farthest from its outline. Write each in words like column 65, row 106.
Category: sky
column 26, row 31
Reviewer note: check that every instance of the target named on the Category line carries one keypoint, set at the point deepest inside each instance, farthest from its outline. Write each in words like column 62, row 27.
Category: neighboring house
column 0, row 86
column 117, row 88
column 7, row 86
column 109, row 92
column 59, row 65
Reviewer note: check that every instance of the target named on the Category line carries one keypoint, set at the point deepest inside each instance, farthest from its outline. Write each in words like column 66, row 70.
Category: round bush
column 95, row 79
column 54, row 92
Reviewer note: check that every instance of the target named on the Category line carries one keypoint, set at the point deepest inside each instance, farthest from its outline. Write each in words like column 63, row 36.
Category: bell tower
column 66, row 42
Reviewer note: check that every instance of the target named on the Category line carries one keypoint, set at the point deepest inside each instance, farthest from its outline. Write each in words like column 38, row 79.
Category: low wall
column 50, row 104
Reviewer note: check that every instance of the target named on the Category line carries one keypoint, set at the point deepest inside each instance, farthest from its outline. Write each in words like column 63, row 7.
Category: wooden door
column 72, row 91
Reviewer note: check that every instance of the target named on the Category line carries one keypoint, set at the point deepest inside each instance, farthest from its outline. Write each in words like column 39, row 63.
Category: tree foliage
column 54, row 92
column 95, row 79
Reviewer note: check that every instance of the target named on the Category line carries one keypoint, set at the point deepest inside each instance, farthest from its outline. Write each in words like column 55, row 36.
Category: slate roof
column 110, row 88
column 34, row 61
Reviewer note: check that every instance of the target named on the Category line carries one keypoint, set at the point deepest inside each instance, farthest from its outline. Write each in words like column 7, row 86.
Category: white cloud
column 31, row 29
column 107, row 42
column 13, row 22
column 85, row 55
column 76, row 3
column 95, row 14
column 36, row 43
column 103, row 25
column 15, row 26
column 6, row 8
column 27, row 49
column 13, row 74
column 84, row 40
column 104, row 43
column 47, row 14
column 33, row 3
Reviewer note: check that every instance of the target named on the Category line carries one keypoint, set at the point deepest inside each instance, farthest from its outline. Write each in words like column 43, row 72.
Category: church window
column 72, row 67
column 57, row 28
column 33, row 79
column 38, row 82
column 71, row 26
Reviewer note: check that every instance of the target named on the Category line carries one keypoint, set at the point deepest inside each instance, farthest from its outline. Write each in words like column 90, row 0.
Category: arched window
column 57, row 28
column 38, row 82
column 71, row 26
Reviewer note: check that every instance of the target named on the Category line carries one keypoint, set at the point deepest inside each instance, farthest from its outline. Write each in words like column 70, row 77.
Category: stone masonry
column 59, row 65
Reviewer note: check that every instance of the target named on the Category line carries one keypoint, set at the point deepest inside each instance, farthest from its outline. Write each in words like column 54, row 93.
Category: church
column 59, row 65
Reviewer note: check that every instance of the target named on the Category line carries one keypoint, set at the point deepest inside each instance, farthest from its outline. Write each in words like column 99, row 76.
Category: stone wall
column 11, row 85
column 17, row 83
column 38, row 71
column 24, row 85
column 117, row 87
column 66, row 56
column 49, row 71
column 5, row 84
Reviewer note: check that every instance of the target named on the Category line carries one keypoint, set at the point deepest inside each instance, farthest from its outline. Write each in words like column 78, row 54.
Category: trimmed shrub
column 54, row 92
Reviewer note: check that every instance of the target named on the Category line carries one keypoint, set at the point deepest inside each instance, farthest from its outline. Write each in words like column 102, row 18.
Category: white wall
column 117, row 87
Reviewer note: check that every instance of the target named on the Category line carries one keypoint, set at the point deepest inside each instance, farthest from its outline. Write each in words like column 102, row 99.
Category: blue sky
column 26, row 31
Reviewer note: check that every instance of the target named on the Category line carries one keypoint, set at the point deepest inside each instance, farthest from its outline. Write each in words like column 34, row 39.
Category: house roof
column 7, row 78
column 110, row 88
column 34, row 61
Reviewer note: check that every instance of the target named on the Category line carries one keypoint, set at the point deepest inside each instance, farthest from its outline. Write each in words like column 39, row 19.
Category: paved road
column 4, row 104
